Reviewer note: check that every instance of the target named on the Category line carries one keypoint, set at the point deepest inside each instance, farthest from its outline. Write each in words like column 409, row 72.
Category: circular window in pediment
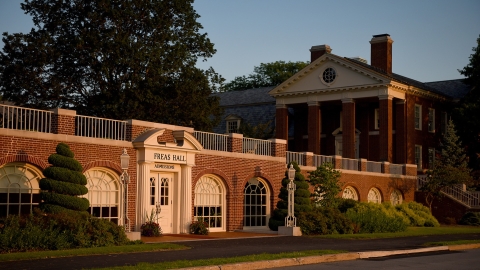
column 329, row 75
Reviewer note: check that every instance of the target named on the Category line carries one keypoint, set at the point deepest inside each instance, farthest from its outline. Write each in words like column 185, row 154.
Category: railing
column 95, row 127
column 457, row 192
column 396, row 169
column 212, row 141
column 318, row 160
column 373, row 166
column 13, row 117
column 350, row 164
column 297, row 157
column 257, row 147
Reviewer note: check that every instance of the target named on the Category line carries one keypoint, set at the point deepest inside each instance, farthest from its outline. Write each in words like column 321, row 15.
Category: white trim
column 210, row 194
column 264, row 212
column 418, row 117
column 377, row 119
column 418, row 156
column 374, row 195
column 350, row 192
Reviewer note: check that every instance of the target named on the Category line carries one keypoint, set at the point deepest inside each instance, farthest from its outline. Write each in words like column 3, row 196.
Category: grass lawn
column 451, row 243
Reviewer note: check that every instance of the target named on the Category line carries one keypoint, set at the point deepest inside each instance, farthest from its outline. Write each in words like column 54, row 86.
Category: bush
column 199, row 227
column 418, row 214
column 471, row 219
column 40, row 231
column 345, row 204
column 323, row 220
column 150, row 227
column 375, row 218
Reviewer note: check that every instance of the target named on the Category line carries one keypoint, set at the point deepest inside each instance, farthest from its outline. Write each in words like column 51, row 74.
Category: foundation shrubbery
column 417, row 214
column 375, row 218
column 323, row 220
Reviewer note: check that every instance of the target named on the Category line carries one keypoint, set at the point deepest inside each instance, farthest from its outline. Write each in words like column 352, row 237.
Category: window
column 255, row 204
column 444, row 121
column 329, row 75
column 350, row 193
column 431, row 157
column 418, row 117
column 396, row 197
column 377, row 119
column 232, row 126
column 418, row 156
column 431, row 120
column 209, row 202
column 374, row 196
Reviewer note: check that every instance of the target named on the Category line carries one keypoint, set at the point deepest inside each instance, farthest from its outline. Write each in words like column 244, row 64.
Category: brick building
column 364, row 119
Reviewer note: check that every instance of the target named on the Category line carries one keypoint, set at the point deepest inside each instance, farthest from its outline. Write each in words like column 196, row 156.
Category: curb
column 328, row 258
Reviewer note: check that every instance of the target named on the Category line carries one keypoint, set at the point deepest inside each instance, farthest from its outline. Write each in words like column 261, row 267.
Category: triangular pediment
column 347, row 75
column 184, row 140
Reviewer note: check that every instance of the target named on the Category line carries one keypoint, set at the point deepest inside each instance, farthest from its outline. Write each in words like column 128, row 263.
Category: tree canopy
column 113, row 59
column 267, row 74
column 469, row 126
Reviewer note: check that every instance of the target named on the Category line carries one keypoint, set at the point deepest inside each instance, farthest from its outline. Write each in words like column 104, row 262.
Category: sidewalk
column 230, row 246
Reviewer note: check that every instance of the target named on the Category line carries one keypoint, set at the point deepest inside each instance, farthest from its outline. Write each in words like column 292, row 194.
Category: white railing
column 103, row 128
column 318, row 160
column 373, row 166
column 257, row 147
column 457, row 192
column 297, row 157
column 350, row 164
column 13, row 117
column 396, row 169
column 212, row 141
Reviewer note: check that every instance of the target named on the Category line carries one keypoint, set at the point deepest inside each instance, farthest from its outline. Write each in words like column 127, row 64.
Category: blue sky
column 432, row 38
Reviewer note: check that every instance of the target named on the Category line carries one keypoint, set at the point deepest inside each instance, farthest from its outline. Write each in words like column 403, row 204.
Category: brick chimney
column 381, row 53
column 319, row 50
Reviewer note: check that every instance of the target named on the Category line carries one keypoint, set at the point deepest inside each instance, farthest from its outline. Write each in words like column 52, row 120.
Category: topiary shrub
column 302, row 199
column 63, row 184
column 322, row 220
column 471, row 219
column 374, row 218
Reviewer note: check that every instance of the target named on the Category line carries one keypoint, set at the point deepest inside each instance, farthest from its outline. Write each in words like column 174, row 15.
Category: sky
column 432, row 38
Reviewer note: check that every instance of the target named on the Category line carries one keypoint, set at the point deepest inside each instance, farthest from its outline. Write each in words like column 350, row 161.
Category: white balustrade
column 12, row 117
column 103, row 128
column 212, row 141
column 257, row 147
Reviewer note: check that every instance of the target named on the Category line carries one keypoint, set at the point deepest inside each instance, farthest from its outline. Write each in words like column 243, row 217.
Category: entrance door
column 161, row 198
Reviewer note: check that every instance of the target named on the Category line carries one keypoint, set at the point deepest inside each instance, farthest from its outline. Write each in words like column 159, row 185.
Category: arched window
column 256, row 203
column 374, row 196
column 350, row 193
column 209, row 203
column 396, row 197
column 103, row 193
column 19, row 190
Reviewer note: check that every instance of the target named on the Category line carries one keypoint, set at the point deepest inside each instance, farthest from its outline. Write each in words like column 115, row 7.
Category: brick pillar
column 308, row 159
column 386, row 138
column 314, row 127
column 386, row 167
column 410, row 129
column 279, row 147
column 281, row 122
column 348, row 128
column 362, row 164
column 63, row 121
column 337, row 162
column 363, row 123
column 235, row 143
column 400, row 135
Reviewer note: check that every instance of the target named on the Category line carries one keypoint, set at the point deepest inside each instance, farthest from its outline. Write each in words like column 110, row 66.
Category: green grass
column 221, row 261
column 89, row 251
column 451, row 243
column 411, row 231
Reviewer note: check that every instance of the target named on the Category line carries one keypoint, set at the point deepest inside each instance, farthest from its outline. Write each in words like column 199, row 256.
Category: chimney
column 319, row 50
column 381, row 52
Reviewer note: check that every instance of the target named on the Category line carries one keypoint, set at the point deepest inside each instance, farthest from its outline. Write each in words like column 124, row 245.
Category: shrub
column 326, row 185
column 150, row 227
column 324, row 220
column 345, row 204
column 199, row 227
column 418, row 214
column 374, row 218
column 471, row 219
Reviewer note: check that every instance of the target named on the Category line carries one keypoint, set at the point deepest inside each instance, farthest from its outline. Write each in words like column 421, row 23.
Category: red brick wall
column 445, row 209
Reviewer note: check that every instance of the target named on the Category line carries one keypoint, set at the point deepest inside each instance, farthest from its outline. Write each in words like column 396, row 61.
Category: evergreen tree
column 63, row 184
column 450, row 168
column 302, row 199
column 326, row 185
column 113, row 59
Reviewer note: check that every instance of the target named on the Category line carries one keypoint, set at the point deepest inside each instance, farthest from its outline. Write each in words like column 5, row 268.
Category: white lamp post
column 125, row 179
column 291, row 220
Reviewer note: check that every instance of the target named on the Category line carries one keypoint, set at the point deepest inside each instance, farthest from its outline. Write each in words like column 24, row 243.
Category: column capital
column 347, row 100
column 313, row 103
column 383, row 97
column 401, row 102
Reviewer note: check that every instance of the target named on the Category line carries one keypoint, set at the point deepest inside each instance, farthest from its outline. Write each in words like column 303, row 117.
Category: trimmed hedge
column 65, row 162
column 65, row 175
column 62, row 187
column 418, row 214
column 375, row 218
column 67, row 201
column 324, row 221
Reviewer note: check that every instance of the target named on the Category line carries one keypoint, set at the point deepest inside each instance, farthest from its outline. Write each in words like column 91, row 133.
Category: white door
column 161, row 198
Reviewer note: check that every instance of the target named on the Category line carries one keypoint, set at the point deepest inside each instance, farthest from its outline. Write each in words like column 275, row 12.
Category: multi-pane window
column 418, row 156
column 431, row 157
column 103, row 194
column 350, row 193
column 377, row 119
column 444, row 121
column 232, row 126
column 396, row 197
column 255, row 204
column 209, row 202
column 431, row 120
column 418, row 117
column 374, row 196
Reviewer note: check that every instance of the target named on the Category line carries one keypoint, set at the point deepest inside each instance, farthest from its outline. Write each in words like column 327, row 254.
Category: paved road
column 458, row 260
column 232, row 247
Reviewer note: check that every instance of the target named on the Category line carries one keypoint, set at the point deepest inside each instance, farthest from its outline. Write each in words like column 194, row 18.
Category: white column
column 143, row 191
column 186, row 198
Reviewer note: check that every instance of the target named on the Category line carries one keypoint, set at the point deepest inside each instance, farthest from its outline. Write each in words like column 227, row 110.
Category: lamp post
column 125, row 179
column 291, row 220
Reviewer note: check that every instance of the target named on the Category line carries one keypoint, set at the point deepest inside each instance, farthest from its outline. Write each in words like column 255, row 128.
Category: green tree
column 468, row 126
column 267, row 74
column 326, row 185
column 302, row 199
column 63, row 184
column 450, row 168
column 261, row 131
column 113, row 59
